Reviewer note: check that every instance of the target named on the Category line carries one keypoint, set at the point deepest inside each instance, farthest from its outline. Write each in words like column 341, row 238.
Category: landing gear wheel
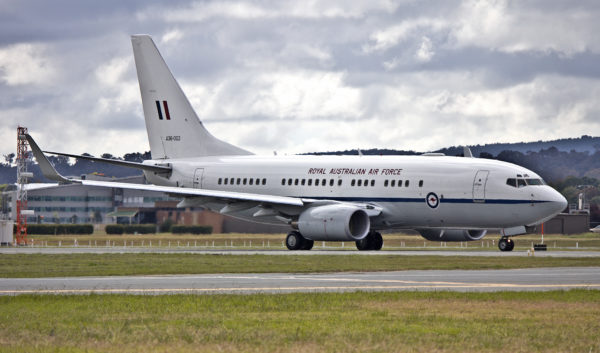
column 308, row 244
column 364, row 243
column 511, row 245
column 506, row 244
column 294, row 241
column 377, row 241
column 373, row 241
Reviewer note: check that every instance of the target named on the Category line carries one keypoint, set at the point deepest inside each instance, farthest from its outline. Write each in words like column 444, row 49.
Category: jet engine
column 334, row 223
column 452, row 234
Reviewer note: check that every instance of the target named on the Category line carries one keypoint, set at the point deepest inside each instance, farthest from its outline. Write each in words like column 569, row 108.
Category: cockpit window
column 534, row 181
column 520, row 182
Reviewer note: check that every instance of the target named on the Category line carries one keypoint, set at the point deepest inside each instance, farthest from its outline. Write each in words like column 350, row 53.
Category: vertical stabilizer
column 174, row 130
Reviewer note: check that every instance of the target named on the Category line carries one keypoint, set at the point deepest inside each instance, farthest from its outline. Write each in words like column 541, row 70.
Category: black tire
column 511, row 245
column 364, row 244
column 308, row 244
column 377, row 241
column 294, row 241
column 505, row 244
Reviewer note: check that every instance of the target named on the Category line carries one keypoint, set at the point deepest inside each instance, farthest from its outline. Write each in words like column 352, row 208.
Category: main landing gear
column 373, row 241
column 295, row 241
column 506, row 244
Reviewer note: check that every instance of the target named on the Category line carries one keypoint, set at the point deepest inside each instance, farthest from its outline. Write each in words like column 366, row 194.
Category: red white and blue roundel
column 432, row 200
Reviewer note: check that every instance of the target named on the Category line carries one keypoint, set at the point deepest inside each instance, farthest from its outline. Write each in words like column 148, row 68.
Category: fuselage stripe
column 408, row 200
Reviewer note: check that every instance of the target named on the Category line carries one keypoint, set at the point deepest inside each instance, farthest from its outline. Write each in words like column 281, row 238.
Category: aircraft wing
column 191, row 192
column 244, row 200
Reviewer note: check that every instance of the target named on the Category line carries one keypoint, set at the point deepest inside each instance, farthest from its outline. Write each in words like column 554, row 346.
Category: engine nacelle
column 452, row 234
column 334, row 223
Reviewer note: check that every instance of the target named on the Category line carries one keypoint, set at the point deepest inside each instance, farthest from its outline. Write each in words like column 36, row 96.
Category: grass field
column 63, row 265
column 328, row 322
column 275, row 241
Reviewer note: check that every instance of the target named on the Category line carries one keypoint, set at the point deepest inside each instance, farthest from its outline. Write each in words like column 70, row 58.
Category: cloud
column 23, row 64
column 305, row 76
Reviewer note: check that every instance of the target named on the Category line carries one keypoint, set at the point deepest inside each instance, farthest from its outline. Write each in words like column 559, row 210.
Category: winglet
column 45, row 165
column 467, row 152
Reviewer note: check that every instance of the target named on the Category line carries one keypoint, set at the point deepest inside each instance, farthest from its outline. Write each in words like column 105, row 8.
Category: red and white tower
column 22, row 176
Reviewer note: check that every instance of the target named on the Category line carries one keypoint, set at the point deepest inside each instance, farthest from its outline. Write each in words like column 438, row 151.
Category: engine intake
column 334, row 223
column 452, row 234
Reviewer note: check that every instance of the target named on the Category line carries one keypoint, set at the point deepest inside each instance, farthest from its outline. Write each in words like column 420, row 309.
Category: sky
column 303, row 76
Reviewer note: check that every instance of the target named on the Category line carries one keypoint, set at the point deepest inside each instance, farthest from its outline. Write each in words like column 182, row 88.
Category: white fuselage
column 412, row 191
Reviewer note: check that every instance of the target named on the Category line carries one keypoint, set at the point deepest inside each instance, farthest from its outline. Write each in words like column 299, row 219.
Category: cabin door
column 198, row 176
column 479, row 185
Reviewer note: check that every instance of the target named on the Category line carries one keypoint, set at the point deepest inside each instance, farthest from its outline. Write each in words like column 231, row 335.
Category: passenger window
column 251, row 181
column 393, row 183
column 512, row 182
column 330, row 182
column 340, row 182
column 406, row 183
column 290, row 181
column 316, row 182
column 366, row 182
column 359, row 182
column 420, row 183
column 372, row 182
column 245, row 181
column 385, row 183
column 264, row 181
column 219, row 182
column 309, row 182
column 352, row 182
column 399, row 183
column 303, row 181
column 225, row 181
column 324, row 183
column 231, row 181
column 282, row 181
column 296, row 182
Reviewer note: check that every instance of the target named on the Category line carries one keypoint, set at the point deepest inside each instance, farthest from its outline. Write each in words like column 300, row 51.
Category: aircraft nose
column 558, row 201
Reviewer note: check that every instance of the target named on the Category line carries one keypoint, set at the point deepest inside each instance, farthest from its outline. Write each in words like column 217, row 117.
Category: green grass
column 325, row 322
column 275, row 241
column 58, row 265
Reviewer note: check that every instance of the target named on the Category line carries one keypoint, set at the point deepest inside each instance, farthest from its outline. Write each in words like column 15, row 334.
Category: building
column 76, row 203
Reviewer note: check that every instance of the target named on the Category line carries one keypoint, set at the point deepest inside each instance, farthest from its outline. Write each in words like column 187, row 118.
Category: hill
column 554, row 160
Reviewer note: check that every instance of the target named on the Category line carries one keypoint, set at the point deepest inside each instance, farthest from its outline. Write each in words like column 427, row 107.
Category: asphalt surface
column 201, row 251
column 539, row 279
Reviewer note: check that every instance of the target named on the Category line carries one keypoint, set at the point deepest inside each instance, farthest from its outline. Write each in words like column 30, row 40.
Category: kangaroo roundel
column 432, row 200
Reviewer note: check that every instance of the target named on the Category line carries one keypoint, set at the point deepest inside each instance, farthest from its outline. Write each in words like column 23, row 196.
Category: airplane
column 322, row 198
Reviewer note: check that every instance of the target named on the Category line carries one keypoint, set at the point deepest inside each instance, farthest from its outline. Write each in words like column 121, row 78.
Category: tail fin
column 174, row 130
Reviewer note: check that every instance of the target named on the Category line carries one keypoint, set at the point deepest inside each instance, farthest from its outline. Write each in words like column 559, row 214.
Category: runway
column 540, row 279
column 204, row 251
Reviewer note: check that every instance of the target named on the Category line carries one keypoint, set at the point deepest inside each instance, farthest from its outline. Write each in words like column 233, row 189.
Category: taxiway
column 538, row 279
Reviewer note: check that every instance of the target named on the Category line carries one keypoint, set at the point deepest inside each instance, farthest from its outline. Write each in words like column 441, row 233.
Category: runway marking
column 275, row 289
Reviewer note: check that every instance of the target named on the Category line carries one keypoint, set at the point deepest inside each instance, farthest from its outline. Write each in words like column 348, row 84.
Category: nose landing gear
column 506, row 244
